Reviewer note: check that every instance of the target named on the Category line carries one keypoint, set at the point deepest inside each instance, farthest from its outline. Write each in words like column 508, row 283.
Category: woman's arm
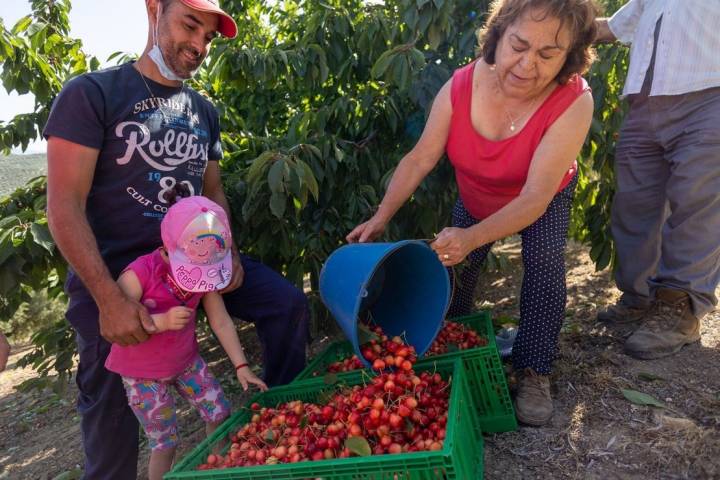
column 412, row 169
column 552, row 159
column 224, row 329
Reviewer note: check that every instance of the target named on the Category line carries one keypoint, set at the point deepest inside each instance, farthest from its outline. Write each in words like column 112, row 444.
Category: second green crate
column 486, row 377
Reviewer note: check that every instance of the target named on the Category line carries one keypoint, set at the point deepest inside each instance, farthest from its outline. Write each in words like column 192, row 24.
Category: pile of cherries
column 458, row 335
column 394, row 412
column 384, row 353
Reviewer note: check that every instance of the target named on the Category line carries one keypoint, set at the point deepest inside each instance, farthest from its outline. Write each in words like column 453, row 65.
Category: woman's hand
column 368, row 231
column 245, row 376
column 452, row 245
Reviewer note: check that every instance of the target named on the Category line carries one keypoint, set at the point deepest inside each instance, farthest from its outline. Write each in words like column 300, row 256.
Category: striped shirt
column 688, row 49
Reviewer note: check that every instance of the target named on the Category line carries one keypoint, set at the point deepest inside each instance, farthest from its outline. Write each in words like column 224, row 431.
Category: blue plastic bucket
column 403, row 285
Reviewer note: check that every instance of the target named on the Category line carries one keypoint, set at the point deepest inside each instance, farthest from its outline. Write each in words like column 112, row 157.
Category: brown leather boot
column 619, row 314
column 533, row 404
column 669, row 325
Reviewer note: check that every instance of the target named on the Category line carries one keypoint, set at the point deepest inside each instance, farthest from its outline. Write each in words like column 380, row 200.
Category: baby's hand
column 177, row 317
column 245, row 376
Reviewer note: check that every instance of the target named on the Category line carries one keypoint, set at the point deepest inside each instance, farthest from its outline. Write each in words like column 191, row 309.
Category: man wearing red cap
column 120, row 142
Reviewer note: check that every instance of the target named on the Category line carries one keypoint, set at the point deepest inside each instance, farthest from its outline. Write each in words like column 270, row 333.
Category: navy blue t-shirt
column 150, row 137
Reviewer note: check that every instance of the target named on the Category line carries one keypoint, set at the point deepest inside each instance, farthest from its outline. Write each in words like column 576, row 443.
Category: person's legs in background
column 638, row 211
column 683, row 288
column 281, row 316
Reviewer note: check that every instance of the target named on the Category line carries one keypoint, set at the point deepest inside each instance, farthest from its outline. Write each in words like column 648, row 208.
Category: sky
column 104, row 26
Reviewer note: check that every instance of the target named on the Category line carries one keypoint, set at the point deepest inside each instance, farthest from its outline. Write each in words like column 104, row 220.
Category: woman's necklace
column 519, row 118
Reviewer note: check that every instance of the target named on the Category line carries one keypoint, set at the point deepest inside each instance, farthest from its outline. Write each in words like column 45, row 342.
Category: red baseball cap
column 226, row 25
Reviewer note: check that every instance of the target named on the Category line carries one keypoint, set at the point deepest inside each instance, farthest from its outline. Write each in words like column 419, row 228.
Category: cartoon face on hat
column 196, row 235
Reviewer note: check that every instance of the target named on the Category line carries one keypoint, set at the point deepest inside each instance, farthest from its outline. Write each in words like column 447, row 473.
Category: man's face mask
column 156, row 55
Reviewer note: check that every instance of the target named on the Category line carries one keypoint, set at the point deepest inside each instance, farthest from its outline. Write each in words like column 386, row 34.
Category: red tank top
column 491, row 173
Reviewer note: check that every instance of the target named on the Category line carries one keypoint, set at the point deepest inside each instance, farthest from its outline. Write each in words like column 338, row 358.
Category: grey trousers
column 666, row 210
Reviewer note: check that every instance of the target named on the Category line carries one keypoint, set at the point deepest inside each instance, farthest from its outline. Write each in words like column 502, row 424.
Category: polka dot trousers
column 543, row 294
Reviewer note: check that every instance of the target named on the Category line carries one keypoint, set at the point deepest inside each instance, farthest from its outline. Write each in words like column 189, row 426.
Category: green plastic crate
column 486, row 377
column 461, row 457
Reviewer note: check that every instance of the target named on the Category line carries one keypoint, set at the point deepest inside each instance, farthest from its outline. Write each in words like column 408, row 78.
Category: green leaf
column 409, row 425
column 359, row 446
column 303, row 422
column 74, row 474
column 278, row 204
column 322, row 61
column 6, row 247
column 9, row 221
column 640, row 398
column 382, row 64
column 314, row 150
column 22, row 24
column 339, row 154
column 326, row 397
column 649, row 377
column 42, row 236
column 604, row 259
column 308, row 178
column 417, row 57
column 330, row 378
column 296, row 183
column 269, row 436
column 434, row 36
column 365, row 335
column 276, row 176
column 258, row 165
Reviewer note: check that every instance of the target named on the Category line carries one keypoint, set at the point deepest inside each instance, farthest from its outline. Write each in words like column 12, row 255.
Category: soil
column 595, row 431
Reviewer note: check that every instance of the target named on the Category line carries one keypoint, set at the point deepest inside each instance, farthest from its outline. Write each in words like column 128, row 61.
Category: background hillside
column 15, row 170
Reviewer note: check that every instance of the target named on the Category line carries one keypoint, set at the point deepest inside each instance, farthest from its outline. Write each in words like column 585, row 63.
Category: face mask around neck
column 158, row 59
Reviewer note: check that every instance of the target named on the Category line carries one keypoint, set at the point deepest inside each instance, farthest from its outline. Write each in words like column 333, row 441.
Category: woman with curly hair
column 512, row 123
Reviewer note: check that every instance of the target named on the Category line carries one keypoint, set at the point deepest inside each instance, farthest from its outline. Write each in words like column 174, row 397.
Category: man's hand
column 174, row 319
column 238, row 274
column 604, row 34
column 125, row 321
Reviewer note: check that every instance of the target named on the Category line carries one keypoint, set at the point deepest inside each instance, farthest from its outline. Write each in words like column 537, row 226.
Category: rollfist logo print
column 170, row 138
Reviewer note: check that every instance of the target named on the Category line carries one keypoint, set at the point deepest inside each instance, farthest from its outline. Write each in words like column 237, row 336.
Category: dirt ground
column 595, row 432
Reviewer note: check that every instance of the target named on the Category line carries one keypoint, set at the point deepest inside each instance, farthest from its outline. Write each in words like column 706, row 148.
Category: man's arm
column 70, row 172
column 605, row 35
column 212, row 189
column 622, row 25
